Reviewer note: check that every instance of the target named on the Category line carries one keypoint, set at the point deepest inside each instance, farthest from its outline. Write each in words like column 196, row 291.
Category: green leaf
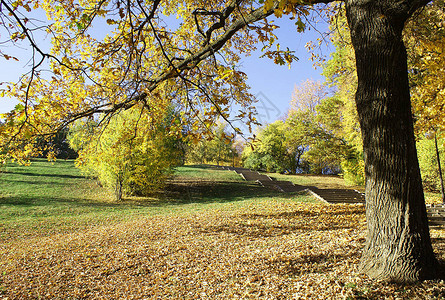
column 300, row 25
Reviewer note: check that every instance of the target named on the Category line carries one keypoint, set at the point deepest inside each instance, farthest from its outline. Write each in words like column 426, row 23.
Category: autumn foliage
column 132, row 154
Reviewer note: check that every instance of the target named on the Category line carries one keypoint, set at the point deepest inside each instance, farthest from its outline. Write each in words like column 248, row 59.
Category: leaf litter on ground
column 262, row 250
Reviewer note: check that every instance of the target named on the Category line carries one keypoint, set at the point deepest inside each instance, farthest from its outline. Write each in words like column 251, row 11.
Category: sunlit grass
column 49, row 198
column 208, row 232
column 322, row 181
column 204, row 172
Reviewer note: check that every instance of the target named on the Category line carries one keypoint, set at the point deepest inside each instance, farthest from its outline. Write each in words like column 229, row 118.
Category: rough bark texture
column 439, row 167
column 398, row 246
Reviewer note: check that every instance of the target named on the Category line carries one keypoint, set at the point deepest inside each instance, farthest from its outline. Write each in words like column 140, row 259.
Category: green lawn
column 205, row 172
column 320, row 181
column 49, row 198
column 334, row 182
column 207, row 235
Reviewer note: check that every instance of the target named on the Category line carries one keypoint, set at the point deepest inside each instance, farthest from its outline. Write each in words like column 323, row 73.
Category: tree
column 58, row 146
column 307, row 96
column 314, row 126
column 220, row 147
column 425, row 37
column 429, row 155
column 398, row 245
column 296, row 142
column 216, row 148
column 269, row 152
column 143, row 61
column 340, row 71
column 132, row 154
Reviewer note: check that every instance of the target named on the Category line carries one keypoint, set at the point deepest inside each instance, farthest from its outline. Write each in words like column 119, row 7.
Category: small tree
column 315, row 127
column 269, row 152
column 429, row 161
column 133, row 154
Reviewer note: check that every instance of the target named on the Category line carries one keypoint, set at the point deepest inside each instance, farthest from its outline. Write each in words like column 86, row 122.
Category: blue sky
column 273, row 84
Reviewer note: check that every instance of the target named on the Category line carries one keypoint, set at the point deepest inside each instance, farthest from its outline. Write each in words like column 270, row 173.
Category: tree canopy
column 107, row 56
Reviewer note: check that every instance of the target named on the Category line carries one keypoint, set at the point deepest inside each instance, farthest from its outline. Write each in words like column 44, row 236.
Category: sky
column 272, row 84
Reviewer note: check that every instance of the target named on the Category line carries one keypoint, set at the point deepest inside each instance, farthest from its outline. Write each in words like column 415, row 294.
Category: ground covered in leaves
column 228, row 247
column 269, row 250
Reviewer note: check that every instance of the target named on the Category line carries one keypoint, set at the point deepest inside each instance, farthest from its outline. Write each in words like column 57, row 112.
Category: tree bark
column 398, row 246
column 439, row 167
column 118, row 187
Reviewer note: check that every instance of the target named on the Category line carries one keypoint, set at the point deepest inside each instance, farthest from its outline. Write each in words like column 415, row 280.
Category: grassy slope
column 324, row 181
column 51, row 198
column 333, row 182
column 46, row 198
column 209, row 236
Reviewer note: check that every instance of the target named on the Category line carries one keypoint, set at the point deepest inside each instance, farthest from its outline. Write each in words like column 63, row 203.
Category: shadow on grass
column 306, row 213
column 210, row 167
column 32, row 182
column 214, row 191
column 266, row 231
column 67, row 193
column 175, row 193
column 45, row 175
column 312, row 263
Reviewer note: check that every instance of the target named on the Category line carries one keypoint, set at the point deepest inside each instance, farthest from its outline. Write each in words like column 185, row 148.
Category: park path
column 436, row 212
column 327, row 195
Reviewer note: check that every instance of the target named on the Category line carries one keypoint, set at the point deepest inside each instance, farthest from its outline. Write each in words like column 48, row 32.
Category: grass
column 208, row 235
column 205, row 172
column 334, row 182
column 51, row 198
column 320, row 181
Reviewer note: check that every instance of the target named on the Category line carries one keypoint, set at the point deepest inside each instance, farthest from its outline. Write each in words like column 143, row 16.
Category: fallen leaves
column 267, row 250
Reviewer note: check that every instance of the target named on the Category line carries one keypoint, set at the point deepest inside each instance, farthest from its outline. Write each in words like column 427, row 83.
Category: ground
column 209, row 236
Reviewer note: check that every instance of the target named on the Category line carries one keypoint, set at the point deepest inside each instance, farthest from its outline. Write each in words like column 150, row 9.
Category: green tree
column 268, row 151
column 314, row 128
column 273, row 151
column 340, row 72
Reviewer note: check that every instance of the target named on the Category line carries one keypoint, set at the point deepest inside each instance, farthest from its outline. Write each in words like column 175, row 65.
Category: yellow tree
column 132, row 154
column 194, row 64
column 307, row 96
column 314, row 126
column 425, row 37
column 340, row 72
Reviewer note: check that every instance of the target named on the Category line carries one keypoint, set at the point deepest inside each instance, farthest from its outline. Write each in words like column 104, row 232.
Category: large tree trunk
column 398, row 246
